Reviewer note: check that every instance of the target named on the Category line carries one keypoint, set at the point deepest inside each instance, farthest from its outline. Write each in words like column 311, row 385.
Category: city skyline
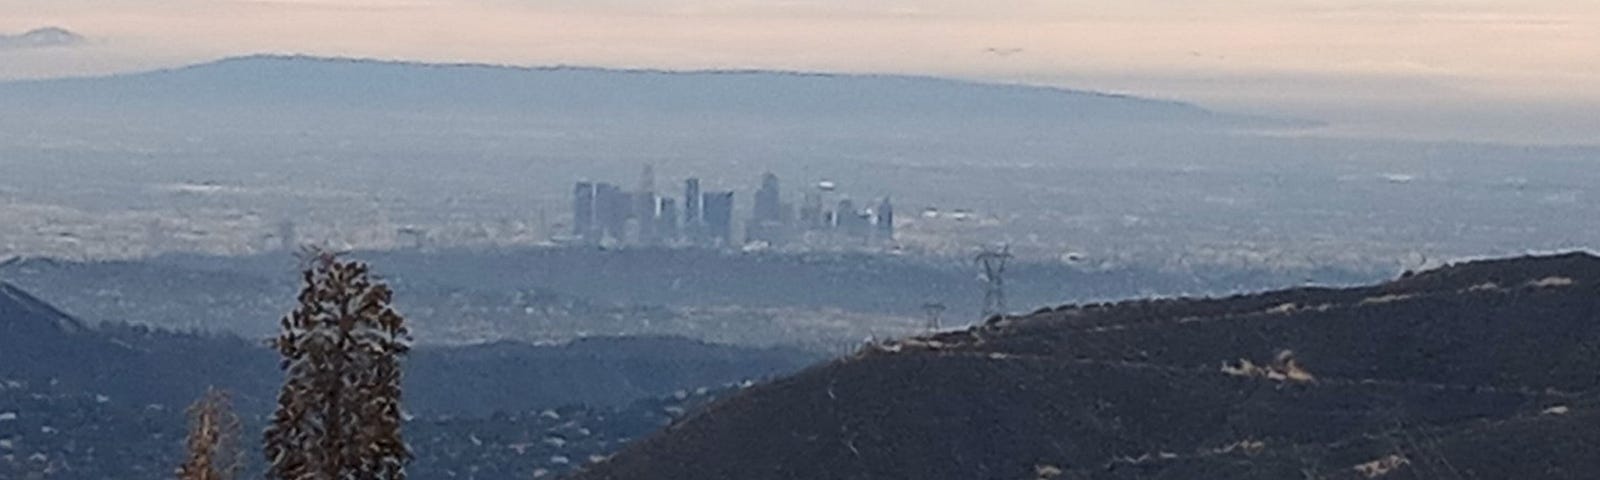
column 604, row 213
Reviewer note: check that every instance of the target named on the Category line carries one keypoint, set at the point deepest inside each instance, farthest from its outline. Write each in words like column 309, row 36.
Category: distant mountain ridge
column 320, row 82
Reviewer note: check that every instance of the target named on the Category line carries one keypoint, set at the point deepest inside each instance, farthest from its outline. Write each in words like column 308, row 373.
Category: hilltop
column 1478, row 370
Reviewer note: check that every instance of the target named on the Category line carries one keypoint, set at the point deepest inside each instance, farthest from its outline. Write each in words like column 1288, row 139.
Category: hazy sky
column 1512, row 70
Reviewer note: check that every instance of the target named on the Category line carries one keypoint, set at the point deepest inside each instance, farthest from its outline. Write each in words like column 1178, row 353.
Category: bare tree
column 213, row 442
column 338, row 414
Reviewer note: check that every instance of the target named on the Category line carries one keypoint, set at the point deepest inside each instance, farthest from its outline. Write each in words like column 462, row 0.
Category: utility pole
column 934, row 311
column 993, row 263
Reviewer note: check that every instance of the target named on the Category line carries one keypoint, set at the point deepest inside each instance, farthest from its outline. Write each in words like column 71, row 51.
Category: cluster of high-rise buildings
column 605, row 213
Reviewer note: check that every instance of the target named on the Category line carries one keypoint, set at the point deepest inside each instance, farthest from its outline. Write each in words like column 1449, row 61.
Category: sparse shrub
column 1382, row 466
column 1284, row 368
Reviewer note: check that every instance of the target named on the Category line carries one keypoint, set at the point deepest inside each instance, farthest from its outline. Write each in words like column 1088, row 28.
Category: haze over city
column 799, row 239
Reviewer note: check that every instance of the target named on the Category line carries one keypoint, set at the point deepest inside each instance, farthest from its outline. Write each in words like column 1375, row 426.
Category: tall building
column 885, row 220
column 645, row 205
column 767, row 206
column 850, row 220
column 692, row 225
column 583, row 211
column 718, row 211
column 811, row 212
column 766, row 220
column 612, row 207
column 667, row 221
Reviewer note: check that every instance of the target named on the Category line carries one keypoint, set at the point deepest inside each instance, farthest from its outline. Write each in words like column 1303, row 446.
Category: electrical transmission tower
column 993, row 263
column 934, row 310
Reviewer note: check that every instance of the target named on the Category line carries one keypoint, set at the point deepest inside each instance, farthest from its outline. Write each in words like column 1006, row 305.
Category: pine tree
column 338, row 414
column 213, row 442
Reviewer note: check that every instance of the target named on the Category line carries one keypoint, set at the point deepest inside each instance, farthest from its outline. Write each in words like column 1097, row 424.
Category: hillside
column 23, row 314
column 141, row 366
column 1478, row 370
column 56, row 432
column 297, row 83
column 107, row 402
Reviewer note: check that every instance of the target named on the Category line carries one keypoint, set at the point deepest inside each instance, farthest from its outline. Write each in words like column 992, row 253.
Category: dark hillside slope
column 51, row 432
column 41, row 345
column 1479, row 370
column 22, row 314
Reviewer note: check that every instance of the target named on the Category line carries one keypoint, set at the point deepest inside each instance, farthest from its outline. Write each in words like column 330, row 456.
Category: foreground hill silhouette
column 1479, row 370
column 42, row 345
column 106, row 402
column 60, row 432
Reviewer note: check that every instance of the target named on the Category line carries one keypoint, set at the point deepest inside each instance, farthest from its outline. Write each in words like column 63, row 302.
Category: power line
column 934, row 311
column 993, row 263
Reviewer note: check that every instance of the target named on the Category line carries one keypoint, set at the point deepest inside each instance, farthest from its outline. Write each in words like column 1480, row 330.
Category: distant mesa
column 274, row 82
column 41, row 38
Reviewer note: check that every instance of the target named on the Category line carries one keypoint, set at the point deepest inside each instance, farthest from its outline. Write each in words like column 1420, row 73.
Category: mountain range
column 304, row 83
